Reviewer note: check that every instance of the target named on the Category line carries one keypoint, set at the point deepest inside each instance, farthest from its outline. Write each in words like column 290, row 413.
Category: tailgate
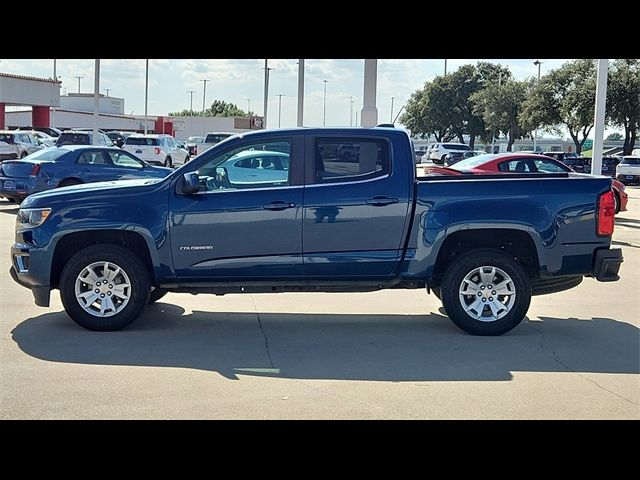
column 145, row 152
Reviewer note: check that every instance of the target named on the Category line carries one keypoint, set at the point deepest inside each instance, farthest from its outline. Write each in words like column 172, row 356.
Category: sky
column 242, row 80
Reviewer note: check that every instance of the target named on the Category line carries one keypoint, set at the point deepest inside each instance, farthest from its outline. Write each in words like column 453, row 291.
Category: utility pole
column 204, row 95
column 280, row 95
column 266, row 91
column 445, row 67
column 191, row 92
column 108, row 90
column 79, row 78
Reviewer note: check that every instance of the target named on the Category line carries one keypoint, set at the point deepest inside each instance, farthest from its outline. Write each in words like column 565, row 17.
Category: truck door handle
column 278, row 205
column 381, row 201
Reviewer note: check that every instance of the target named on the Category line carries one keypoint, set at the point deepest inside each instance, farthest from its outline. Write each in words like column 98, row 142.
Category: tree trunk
column 632, row 142
column 472, row 141
column 460, row 137
column 511, row 140
column 579, row 147
column 575, row 141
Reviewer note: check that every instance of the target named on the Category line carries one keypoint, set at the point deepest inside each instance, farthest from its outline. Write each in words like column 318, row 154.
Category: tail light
column 157, row 150
column 605, row 218
column 35, row 170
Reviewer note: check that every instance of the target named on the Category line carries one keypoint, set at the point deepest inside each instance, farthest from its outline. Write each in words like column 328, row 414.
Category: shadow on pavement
column 9, row 210
column 345, row 347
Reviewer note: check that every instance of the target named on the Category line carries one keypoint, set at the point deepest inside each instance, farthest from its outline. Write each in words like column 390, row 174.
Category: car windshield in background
column 455, row 146
column 216, row 138
column 195, row 139
column 73, row 139
column 6, row 137
column 630, row 161
column 141, row 141
column 473, row 162
column 48, row 154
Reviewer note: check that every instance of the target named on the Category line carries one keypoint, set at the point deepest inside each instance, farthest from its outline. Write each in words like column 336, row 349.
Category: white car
column 438, row 151
column 45, row 139
column 18, row 144
column 628, row 170
column 157, row 149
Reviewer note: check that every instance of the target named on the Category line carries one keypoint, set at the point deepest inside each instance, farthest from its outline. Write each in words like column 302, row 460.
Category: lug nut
column 97, row 290
column 489, row 286
column 493, row 293
column 98, row 283
column 484, row 299
column 481, row 287
column 102, row 295
column 109, row 293
column 491, row 299
column 110, row 286
column 479, row 294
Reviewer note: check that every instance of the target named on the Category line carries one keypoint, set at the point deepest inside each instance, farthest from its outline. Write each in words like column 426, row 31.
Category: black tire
column 616, row 201
column 442, row 160
column 462, row 266
column 156, row 294
column 130, row 263
column 24, row 154
column 437, row 292
column 168, row 162
column 187, row 158
column 67, row 182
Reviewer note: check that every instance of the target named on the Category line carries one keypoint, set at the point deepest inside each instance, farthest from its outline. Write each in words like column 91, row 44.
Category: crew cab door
column 237, row 230
column 355, row 206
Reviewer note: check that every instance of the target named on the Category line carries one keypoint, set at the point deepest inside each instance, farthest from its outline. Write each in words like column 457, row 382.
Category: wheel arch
column 67, row 245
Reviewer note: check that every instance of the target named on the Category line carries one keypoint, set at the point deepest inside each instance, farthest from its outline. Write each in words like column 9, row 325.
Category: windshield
column 48, row 154
column 217, row 137
column 6, row 137
column 630, row 161
column 455, row 146
column 73, row 139
column 141, row 141
column 473, row 162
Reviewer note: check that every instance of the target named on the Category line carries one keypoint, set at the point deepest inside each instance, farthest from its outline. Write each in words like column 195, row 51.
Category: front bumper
column 606, row 264
column 30, row 268
column 41, row 294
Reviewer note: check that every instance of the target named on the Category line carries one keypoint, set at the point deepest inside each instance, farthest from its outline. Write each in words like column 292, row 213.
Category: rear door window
column 93, row 157
column 350, row 159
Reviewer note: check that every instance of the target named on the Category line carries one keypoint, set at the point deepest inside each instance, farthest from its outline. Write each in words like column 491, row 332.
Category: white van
column 158, row 149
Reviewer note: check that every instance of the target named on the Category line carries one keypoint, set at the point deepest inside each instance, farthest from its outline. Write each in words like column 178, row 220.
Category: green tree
column 614, row 136
column 500, row 106
column 219, row 108
column 424, row 114
column 565, row 97
column 623, row 100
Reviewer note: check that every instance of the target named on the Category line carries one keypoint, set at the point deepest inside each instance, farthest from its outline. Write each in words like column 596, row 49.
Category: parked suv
column 438, row 151
column 158, row 149
column 82, row 137
column 118, row 138
column 18, row 144
column 628, row 170
column 51, row 131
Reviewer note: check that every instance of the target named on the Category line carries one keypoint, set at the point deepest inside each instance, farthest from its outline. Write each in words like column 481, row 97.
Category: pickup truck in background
column 211, row 139
column 282, row 211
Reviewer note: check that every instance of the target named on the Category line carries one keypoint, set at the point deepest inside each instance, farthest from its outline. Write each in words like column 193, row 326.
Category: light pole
column 108, row 90
column 445, row 67
column 391, row 117
column 96, row 99
column 191, row 92
column 280, row 95
column 300, row 92
column 324, row 105
column 55, row 77
column 204, row 95
column 266, row 91
column 493, row 139
column 79, row 78
column 535, row 132
column 351, row 111
column 146, row 93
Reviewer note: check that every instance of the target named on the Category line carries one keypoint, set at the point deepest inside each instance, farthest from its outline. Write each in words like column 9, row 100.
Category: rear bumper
column 606, row 264
column 628, row 178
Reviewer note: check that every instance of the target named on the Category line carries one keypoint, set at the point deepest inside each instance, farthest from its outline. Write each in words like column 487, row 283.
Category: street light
column 351, row 111
column 535, row 132
column 445, row 67
column 191, row 92
column 280, row 95
column 266, row 91
column 78, row 77
column 324, row 105
column 391, row 117
column 146, row 93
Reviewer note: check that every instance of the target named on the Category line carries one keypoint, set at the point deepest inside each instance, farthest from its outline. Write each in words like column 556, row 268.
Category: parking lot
column 384, row 355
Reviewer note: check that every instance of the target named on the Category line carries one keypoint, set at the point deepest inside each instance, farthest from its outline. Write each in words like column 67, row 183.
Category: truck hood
column 87, row 190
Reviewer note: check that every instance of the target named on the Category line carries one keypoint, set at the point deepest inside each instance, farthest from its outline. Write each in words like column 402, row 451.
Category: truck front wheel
column 486, row 292
column 104, row 287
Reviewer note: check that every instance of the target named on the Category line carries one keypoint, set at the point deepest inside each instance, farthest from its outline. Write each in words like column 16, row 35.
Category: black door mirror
column 191, row 183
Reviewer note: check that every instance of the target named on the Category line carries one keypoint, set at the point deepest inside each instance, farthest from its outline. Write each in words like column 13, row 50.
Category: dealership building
column 45, row 107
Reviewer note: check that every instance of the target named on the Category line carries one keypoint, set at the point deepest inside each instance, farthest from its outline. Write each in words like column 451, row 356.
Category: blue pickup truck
column 284, row 211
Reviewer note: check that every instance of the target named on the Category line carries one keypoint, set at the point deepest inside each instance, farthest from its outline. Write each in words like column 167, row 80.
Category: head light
column 32, row 217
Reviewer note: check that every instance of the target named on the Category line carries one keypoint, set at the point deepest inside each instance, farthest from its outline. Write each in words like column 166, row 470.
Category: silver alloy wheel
column 487, row 293
column 103, row 289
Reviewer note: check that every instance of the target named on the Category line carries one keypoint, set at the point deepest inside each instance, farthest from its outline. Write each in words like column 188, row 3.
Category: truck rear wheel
column 104, row 287
column 486, row 292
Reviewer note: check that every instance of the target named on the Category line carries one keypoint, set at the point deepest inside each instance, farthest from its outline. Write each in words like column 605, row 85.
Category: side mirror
column 190, row 183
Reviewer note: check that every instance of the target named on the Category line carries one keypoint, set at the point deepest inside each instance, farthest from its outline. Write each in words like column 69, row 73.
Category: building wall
column 190, row 126
column 84, row 102
column 24, row 91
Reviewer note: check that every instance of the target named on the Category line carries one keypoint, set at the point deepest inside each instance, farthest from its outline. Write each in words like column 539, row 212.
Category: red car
column 518, row 163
